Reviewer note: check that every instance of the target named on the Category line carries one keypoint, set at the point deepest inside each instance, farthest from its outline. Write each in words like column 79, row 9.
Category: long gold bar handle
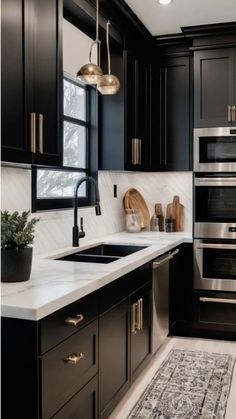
column 33, row 132
column 40, row 133
column 133, row 318
column 75, row 320
column 229, row 113
column 233, row 113
column 141, row 313
column 74, row 358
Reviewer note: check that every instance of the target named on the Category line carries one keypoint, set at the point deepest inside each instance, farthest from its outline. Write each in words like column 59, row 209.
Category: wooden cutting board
column 176, row 210
column 134, row 200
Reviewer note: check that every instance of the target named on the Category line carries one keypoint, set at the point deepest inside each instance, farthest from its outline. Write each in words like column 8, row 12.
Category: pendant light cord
column 97, row 41
column 108, row 49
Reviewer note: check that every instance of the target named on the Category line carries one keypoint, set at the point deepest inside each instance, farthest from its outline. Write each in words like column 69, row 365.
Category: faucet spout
column 76, row 233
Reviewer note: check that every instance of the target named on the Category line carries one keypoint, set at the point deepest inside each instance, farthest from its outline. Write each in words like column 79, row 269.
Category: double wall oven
column 215, row 209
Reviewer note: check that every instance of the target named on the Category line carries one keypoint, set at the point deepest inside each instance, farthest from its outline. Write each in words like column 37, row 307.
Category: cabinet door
column 140, row 329
column 214, row 87
column 137, row 108
column 46, row 78
column 83, row 405
column 15, row 147
column 113, row 357
column 180, row 291
column 175, row 114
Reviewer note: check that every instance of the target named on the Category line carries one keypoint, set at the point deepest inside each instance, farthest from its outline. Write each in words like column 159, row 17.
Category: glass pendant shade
column 108, row 84
column 91, row 73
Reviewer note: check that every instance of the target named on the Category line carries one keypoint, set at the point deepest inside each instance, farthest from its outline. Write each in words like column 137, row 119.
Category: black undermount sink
column 103, row 253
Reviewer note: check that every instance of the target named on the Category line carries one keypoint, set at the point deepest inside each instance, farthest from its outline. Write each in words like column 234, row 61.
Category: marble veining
column 54, row 284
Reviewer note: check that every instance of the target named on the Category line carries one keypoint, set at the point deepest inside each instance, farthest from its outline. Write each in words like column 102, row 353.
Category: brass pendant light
column 91, row 73
column 108, row 84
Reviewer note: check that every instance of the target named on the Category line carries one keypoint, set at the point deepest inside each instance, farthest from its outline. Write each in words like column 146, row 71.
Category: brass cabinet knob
column 74, row 358
column 74, row 320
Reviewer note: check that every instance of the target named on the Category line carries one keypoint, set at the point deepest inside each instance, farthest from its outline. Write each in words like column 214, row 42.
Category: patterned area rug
column 188, row 385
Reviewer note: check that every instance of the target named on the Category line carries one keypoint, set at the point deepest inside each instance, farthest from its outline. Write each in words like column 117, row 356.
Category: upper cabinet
column 31, row 82
column 137, row 111
column 215, row 87
column 170, row 142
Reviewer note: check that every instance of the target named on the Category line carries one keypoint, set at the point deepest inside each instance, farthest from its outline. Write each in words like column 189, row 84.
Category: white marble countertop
column 54, row 284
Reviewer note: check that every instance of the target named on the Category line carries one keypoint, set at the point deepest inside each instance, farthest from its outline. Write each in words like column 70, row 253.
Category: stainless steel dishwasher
column 160, row 290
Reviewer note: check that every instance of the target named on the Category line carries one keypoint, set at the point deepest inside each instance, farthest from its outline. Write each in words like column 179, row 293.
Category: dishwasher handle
column 158, row 262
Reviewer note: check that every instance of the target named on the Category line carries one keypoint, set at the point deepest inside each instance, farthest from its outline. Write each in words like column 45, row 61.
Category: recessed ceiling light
column 165, row 1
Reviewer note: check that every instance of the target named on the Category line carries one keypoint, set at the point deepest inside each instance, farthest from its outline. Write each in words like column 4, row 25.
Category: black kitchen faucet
column 76, row 233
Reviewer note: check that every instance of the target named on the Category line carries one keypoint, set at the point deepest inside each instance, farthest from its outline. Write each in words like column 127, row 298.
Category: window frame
column 91, row 124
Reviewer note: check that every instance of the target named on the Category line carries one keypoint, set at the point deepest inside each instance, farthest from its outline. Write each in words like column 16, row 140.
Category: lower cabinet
column 79, row 361
column 113, row 357
column 181, row 292
column 140, row 330
column 83, row 405
column 215, row 314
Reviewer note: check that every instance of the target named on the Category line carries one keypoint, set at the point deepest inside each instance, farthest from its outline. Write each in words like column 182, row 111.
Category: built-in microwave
column 215, row 206
column 215, row 149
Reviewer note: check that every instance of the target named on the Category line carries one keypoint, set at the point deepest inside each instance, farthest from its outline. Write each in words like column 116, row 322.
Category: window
column 53, row 188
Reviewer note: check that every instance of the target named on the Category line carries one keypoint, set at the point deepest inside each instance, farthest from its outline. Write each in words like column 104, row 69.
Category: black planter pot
column 16, row 264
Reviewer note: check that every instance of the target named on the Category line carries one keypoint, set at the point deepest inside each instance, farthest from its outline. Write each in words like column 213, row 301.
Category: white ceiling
column 168, row 19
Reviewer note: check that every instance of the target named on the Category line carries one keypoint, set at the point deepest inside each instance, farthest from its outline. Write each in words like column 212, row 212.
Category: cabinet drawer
column 65, row 322
column 68, row 367
column 83, row 405
column 215, row 311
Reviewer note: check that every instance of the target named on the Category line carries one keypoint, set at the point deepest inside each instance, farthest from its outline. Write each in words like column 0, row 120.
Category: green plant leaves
column 16, row 230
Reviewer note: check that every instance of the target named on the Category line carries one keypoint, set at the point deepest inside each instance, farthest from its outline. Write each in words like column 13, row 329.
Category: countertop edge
column 125, row 266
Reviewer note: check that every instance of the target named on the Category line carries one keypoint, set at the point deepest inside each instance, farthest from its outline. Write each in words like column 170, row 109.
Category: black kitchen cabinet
column 170, row 147
column 137, row 111
column 140, row 329
column 181, row 291
column 215, row 314
column 113, row 357
column 125, row 117
column 214, row 88
column 31, row 81
column 83, row 405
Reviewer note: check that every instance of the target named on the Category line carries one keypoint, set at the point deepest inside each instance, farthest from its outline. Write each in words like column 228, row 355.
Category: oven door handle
column 229, row 181
column 217, row 246
column 217, row 300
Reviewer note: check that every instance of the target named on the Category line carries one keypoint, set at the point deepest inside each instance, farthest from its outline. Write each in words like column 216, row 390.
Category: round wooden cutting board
column 134, row 200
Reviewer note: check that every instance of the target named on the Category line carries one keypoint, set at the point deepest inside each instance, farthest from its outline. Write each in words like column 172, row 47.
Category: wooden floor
column 132, row 396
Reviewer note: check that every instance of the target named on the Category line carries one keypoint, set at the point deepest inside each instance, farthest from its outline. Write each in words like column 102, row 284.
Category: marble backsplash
column 54, row 229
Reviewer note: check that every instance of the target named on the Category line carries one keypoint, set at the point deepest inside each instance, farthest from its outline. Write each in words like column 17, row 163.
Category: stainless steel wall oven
column 215, row 206
column 215, row 265
column 215, row 149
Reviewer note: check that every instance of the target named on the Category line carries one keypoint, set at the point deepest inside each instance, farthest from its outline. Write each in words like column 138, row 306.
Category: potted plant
column 16, row 236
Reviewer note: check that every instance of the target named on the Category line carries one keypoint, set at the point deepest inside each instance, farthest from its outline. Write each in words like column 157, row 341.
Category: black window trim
column 55, row 204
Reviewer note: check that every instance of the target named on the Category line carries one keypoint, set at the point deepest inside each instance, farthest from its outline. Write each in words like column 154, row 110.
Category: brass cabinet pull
column 141, row 313
column 136, row 151
column 233, row 113
column 133, row 317
column 75, row 320
column 33, row 132
column 229, row 113
column 74, row 358
column 40, row 118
